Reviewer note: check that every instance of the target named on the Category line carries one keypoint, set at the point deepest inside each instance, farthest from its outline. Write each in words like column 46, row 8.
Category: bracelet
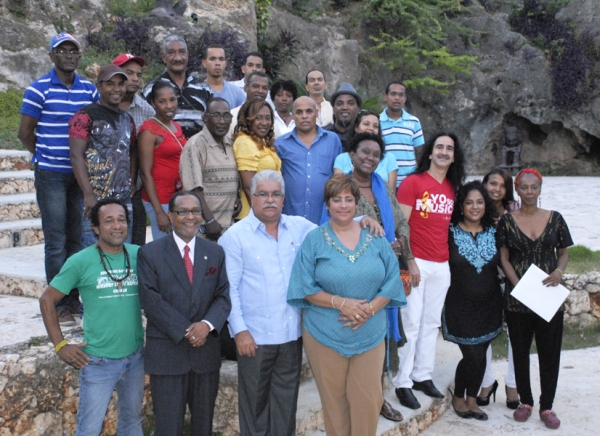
column 61, row 344
column 560, row 271
column 333, row 305
column 371, row 307
column 343, row 302
column 211, row 221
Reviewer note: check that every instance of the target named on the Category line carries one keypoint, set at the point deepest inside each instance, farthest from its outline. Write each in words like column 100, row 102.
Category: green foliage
column 582, row 260
column 415, row 66
column 129, row 8
column 63, row 24
column 410, row 37
column 262, row 16
column 10, row 106
column 18, row 11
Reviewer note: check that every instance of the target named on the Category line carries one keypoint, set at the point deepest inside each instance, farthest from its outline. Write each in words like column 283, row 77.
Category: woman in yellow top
column 254, row 146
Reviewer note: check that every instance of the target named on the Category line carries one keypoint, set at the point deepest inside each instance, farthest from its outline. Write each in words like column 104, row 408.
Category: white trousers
column 489, row 378
column 421, row 319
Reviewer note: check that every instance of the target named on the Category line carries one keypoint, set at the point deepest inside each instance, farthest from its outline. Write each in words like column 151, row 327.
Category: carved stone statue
column 511, row 151
column 166, row 7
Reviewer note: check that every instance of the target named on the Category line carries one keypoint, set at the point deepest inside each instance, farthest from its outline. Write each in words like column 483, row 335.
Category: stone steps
column 18, row 206
column 21, row 233
column 16, row 182
column 22, row 271
column 15, row 160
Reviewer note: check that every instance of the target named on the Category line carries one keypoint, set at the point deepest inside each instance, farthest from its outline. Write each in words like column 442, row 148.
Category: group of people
column 315, row 206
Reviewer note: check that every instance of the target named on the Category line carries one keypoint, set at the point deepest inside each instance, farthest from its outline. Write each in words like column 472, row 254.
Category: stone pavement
column 576, row 403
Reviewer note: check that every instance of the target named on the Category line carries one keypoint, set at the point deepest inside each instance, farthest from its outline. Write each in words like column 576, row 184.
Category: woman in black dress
column 532, row 235
column 472, row 314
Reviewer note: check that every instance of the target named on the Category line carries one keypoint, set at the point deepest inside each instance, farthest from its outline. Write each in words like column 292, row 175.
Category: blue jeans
column 156, row 233
column 89, row 237
column 96, row 384
column 58, row 195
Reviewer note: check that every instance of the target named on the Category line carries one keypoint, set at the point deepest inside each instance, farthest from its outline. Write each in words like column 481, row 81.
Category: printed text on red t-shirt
column 434, row 203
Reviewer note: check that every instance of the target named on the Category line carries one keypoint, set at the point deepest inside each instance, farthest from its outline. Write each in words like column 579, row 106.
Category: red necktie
column 187, row 261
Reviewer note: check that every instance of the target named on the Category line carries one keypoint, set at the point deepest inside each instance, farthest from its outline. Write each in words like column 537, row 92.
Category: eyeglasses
column 63, row 52
column 186, row 212
column 217, row 116
column 263, row 195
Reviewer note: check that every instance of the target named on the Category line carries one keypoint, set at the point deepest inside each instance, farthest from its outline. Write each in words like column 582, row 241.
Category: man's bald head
column 304, row 113
column 304, row 100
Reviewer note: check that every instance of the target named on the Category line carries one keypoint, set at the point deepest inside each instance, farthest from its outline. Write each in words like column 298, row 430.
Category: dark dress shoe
column 407, row 398
column 427, row 387
column 388, row 412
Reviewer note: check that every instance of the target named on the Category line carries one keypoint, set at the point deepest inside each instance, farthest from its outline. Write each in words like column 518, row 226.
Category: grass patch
column 582, row 260
column 10, row 106
column 574, row 338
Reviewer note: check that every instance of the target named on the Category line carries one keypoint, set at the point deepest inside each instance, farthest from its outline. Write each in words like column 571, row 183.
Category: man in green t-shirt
column 111, row 354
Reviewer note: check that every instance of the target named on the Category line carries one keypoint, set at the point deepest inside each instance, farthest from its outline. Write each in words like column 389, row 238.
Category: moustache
column 270, row 205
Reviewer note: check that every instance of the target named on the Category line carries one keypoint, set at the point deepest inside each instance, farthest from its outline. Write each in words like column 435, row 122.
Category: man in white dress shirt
column 260, row 251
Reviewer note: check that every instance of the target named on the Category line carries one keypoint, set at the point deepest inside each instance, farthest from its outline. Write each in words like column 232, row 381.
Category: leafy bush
column 10, row 107
column 278, row 51
column 410, row 37
column 572, row 59
column 130, row 35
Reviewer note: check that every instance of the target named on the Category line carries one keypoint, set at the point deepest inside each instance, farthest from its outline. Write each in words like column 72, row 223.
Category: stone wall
column 583, row 303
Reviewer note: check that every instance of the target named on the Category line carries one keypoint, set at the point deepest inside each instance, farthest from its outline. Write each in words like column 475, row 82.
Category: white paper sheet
column 541, row 299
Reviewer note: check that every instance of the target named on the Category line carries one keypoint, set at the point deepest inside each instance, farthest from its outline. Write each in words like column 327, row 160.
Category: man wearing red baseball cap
column 140, row 110
column 103, row 149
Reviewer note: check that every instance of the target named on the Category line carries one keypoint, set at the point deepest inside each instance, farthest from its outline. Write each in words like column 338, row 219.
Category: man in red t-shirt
column 426, row 198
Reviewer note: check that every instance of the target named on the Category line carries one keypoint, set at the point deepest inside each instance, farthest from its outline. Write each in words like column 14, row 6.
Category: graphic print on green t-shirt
column 112, row 316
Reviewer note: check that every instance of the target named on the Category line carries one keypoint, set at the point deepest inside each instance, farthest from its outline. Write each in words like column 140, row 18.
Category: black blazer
column 171, row 304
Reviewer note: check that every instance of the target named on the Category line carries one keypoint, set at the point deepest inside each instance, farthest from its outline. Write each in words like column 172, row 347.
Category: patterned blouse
column 523, row 251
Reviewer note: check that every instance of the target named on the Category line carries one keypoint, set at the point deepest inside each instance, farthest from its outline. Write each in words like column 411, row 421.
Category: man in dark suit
column 184, row 292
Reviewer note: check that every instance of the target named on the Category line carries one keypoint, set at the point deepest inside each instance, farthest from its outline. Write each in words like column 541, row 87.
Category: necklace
column 351, row 257
column 127, row 265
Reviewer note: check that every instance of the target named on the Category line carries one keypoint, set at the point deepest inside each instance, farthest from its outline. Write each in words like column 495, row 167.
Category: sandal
column 388, row 412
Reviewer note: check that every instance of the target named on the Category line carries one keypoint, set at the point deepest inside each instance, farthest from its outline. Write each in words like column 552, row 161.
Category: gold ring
column 357, row 316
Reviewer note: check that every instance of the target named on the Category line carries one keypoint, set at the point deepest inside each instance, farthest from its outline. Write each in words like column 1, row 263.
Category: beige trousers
column 350, row 388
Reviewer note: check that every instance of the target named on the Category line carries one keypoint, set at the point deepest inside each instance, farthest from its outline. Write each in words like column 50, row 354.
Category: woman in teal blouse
column 344, row 278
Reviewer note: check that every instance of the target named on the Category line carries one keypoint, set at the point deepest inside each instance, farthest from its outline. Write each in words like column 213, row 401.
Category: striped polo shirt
column 401, row 137
column 53, row 104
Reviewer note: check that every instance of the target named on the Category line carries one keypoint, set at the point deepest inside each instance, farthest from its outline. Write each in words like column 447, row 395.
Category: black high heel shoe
column 511, row 404
column 485, row 401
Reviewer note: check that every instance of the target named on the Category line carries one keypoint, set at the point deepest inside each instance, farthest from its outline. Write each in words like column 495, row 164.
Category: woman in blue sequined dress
column 472, row 314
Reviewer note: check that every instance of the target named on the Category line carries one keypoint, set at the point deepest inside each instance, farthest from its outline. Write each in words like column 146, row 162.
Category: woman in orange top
column 254, row 146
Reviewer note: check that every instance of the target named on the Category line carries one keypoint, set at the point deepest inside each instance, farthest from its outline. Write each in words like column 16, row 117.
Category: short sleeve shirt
column 113, row 315
column 432, row 205
column 110, row 136
column 205, row 165
column 50, row 102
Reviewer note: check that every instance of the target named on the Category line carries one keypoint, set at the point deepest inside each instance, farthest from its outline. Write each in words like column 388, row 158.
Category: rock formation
column 511, row 84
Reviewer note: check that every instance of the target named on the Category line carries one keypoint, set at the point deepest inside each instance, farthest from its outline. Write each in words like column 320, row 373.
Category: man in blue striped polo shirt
column 48, row 105
column 401, row 131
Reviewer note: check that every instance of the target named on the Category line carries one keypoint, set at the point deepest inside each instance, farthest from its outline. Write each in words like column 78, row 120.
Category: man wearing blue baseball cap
column 48, row 105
